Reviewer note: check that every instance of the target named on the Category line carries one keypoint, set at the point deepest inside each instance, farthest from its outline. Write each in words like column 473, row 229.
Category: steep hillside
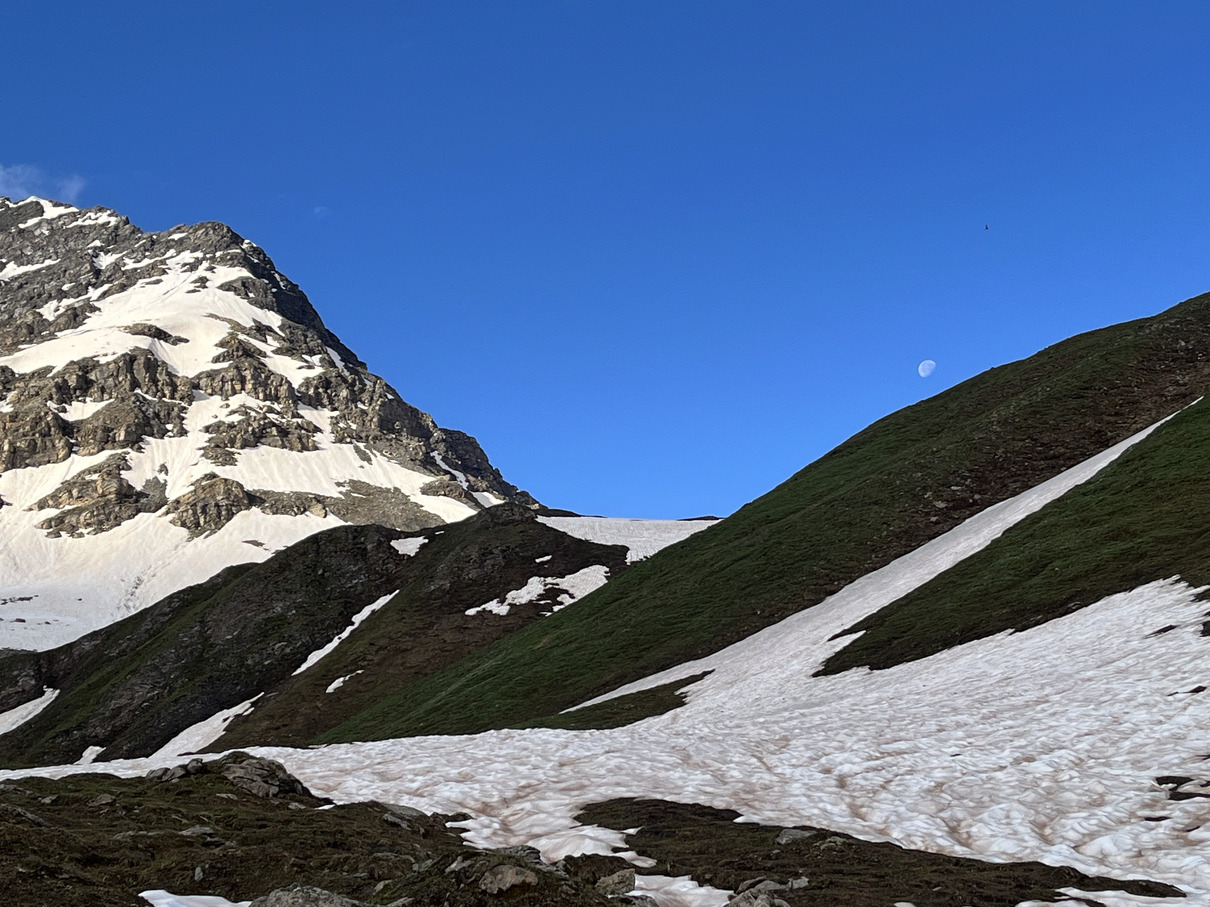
column 402, row 606
column 1141, row 520
column 170, row 404
column 885, row 492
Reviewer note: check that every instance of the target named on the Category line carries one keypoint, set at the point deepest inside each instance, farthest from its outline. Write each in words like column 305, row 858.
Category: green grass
column 621, row 710
column 889, row 489
column 1142, row 518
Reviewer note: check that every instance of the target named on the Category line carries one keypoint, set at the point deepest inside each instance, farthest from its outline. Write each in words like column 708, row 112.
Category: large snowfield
column 1038, row 745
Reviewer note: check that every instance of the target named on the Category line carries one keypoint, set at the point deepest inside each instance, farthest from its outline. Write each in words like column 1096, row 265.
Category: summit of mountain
column 171, row 404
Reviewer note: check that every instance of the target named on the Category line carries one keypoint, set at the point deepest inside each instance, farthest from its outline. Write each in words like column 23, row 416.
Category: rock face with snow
column 171, row 403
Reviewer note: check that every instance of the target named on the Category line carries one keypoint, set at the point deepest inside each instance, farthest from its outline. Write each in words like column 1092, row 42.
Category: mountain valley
column 958, row 660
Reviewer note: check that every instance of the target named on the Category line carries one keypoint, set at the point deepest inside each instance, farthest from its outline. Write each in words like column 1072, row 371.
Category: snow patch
column 459, row 477
column 16, row 717
column 1037, row 745
column 199, row 736
column 90, row 755
column 358, row 618
column 160, row 898
column 577, row 585
column 335, row 357
column 11, row 270
column 408, row 547
column 340, row 682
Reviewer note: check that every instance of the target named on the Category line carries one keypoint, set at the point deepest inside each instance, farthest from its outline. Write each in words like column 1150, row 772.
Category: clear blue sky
column 655, row 255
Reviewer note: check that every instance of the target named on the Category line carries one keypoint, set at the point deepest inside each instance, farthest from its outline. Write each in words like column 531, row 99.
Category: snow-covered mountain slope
column 1077, row 742
column 170, row 404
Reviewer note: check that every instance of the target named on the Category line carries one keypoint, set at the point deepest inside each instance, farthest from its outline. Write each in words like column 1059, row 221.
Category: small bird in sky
column 986, row 227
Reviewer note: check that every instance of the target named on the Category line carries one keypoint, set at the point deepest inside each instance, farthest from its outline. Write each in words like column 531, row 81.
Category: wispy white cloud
column 18, row 181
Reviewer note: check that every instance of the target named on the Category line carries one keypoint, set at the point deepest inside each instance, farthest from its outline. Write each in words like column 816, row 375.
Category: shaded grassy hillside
column 901, row 482
column 131, row 687
column 1142, row 518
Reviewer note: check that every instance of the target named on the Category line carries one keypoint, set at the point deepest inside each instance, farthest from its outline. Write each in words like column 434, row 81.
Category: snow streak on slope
column 1041, row 745
column 18, row 716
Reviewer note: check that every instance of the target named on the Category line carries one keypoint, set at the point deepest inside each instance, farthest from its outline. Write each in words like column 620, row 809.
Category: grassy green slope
column 425, row 626
column 1143, row 518
column 902, row 481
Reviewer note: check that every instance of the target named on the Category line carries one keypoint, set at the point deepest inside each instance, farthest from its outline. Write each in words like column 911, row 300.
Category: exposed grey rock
column 260, row 777
column 155, row 333
column 760, row 884
column 501, row 878
column 210, row 504
column 97, row 499
column 618, row 883
column 252, row 428
column 755, row 898
column 448, row 488
column 24, row 815
column 789, row 835
column 361, row 502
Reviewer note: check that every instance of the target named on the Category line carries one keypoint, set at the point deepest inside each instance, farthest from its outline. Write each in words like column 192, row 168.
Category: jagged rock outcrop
column 210, row 505
column 98, row 499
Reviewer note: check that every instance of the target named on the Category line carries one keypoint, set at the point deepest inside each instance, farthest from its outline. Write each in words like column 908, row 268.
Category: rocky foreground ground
column 243, row 828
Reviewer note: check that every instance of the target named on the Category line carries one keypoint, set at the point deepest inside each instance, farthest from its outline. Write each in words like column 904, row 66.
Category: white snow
column 408, row 547
column 160, row 898
column 77, row 409
column 459, row 477
column 577, row 585
column 358, row 618
column 643, row 537
column 205, row 732
column 90, row 755
column 168, row 304
column 50, row 211
column 77, row 585
column 16, row 717
column 681, row 890
column 94, row 218
column 11, row 270
column 336, row 360
column 340, row 682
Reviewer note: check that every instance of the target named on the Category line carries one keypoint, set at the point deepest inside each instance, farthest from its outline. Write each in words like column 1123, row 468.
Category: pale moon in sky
column 926, row 367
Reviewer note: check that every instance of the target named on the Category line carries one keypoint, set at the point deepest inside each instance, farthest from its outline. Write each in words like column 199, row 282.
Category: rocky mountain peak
column 175, row 392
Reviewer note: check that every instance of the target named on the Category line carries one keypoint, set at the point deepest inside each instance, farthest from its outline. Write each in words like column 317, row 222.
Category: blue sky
column 656, row 256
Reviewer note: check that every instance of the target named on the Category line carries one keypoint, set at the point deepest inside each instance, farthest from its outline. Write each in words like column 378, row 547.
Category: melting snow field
column 1039, row 745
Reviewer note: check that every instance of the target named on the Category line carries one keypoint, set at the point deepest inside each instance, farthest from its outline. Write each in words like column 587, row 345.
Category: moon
column 926, row 367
